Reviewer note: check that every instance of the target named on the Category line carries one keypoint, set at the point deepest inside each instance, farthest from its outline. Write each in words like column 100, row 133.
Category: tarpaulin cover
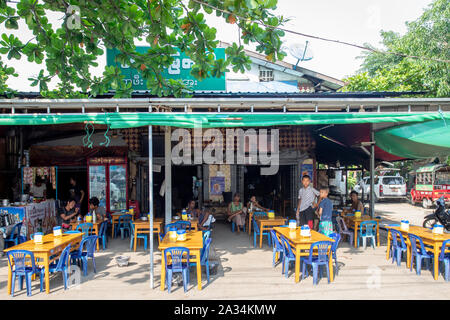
column 417, row 140
column 208, row 120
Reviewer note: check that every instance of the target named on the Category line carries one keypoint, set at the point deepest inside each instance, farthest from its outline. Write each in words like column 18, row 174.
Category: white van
column 386, row 187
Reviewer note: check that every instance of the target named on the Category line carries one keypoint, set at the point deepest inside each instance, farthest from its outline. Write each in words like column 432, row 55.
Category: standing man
column 76, row 193
column 306, row 201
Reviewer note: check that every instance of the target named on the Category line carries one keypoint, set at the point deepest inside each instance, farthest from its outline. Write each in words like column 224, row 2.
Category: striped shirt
column 308, row 195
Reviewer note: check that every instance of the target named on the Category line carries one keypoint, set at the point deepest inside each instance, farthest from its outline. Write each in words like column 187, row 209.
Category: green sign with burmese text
column 179, row 70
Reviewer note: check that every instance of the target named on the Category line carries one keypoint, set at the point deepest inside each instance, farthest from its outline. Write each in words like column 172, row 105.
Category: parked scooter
column 439, row 215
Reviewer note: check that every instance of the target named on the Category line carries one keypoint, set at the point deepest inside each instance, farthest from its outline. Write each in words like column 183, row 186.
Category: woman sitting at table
column 67, row 212
column 356, row 203
column 237, row 212
column 253, row 205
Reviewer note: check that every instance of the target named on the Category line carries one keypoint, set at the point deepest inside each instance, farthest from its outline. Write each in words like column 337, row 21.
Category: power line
column 322, row 39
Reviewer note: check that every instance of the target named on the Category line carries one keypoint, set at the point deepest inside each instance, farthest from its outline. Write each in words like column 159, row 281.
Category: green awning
column 218, row 120
column 416, row 140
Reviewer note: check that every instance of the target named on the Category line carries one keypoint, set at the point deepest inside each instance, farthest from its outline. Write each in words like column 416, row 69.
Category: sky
column 353, row 21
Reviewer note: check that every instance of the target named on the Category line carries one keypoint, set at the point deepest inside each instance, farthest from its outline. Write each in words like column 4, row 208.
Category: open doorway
column 271, row 191
column 80, row 175
column 182, row 185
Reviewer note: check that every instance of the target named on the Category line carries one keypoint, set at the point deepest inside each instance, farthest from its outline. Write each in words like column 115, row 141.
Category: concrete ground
column 245, row 272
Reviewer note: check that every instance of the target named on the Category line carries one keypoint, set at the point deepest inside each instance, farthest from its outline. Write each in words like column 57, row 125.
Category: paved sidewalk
column 244, row 273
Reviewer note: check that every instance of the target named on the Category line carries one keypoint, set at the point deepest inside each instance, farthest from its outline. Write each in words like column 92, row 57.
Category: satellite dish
column 301, row 51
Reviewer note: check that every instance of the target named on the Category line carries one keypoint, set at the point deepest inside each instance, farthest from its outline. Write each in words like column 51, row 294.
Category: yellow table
column 115, row 219
column 266, row 224
column 144, row 227
column 95, row 229
column 51, row 246
column 194, row 242
column 302, row 245
column 428, row 238
column 354, row 223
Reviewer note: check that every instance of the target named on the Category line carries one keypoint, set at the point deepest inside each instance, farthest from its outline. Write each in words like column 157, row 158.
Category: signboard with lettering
column 179, row 70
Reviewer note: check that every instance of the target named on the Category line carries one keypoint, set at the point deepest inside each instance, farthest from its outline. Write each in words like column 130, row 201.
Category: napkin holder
column 404, row 225
column 38, row 237
column 57, row 232
column 438, row 229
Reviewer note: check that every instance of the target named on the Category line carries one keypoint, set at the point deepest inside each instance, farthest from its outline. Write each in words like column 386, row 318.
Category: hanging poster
column 307, row 169
column 217, row 185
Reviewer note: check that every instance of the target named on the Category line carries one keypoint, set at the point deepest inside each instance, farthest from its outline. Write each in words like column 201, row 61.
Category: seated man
column 100, row 212
column 66, row 213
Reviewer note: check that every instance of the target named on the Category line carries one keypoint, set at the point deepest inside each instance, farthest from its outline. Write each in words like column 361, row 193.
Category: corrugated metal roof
column 260, row 87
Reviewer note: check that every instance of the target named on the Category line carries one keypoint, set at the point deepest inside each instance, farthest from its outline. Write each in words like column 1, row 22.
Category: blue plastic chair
column 206, row 235
column 186, row 225
column 257, row 232
column 277, row 247
column 177, row 265
column 82, row 256
column 204, row 257
column 323, row 247
column 124, row 224
column 233, row 227
column 445, row 257
column 86, row 228
column 420, row 253
column 344, row 230
column 337, row 238
column 367, row 230
column 61, row 265
column 396, row 248
column 14, row 237
column 139, row 236
column 102, row 233
column 22, row 260
column 288, row 256
column 70, row 232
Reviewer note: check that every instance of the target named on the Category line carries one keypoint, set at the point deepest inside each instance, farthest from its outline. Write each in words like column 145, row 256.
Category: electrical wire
column 321, row 38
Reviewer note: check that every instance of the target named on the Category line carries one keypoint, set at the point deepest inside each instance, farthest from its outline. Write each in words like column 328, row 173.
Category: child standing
column 325, row 212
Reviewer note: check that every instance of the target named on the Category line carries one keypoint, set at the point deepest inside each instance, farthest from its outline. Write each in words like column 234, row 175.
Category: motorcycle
column 439, row 215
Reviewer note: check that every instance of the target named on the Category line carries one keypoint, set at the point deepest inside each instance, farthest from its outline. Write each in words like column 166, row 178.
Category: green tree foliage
column 428, row 37
column 68, row 51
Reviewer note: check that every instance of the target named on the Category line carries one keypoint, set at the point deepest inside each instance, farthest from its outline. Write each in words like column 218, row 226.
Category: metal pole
column 168, row 175
column 150, row 201
column 372, row 170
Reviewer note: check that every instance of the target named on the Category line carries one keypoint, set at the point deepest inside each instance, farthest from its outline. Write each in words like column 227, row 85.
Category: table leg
column 199, row 269
column 388, row 251
column 163, row 271
column 98, row 239
column 378, row 234
column 9, row 278
column 355, row 237
column 47, row 274
column 408, row 253
column 112, row 231
column 135, row 237
column 436, row 261
column 297, row 264
column 261, row 235
column 250, row 223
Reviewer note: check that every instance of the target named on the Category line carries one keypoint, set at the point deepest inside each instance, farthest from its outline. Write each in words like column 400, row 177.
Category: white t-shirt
column 38, row 192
